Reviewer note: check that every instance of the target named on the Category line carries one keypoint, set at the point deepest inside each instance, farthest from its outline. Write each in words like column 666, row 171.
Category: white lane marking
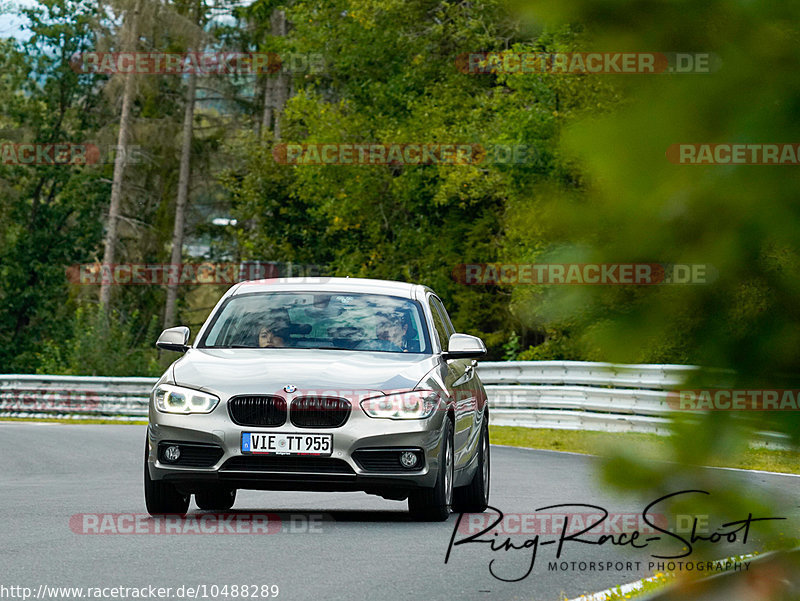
column 708, row 467
column 741, row 469
column 507, row 446
column 631, row 587
column 619, row 590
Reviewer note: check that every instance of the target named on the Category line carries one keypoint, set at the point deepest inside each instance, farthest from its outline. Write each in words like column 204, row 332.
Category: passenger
column 393, row 328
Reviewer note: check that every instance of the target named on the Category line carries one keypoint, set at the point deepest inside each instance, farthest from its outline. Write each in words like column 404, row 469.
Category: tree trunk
column 110, row 243
column 261, row 90
column 281, row 94
column 180, row 205
column 280, row 90
column 269, row 92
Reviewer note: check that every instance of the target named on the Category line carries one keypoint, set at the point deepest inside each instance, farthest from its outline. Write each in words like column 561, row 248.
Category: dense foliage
column 390, row 74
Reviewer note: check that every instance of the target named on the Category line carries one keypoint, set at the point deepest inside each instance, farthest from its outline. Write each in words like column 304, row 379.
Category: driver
column 268, row 338
column 272, row 329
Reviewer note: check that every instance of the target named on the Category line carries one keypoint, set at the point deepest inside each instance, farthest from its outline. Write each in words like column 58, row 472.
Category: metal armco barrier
column 572, row 395
column 578, row 395
column 74, row 397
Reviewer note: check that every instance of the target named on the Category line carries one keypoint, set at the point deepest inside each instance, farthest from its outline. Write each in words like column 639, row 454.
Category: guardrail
column 74, row 397
column 571, row 395
column 578, row 395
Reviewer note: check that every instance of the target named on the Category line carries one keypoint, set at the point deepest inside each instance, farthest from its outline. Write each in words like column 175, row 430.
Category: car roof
column 331, row 284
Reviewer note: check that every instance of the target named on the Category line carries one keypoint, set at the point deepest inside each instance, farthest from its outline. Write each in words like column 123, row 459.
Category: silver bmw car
column 334, row 384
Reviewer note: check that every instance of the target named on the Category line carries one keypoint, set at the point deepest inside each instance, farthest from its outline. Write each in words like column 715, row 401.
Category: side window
column 448, row 325
column 438, row 323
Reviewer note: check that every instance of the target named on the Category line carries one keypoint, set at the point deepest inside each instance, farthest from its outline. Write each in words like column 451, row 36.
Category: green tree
column 391, row 76
column 48, row 211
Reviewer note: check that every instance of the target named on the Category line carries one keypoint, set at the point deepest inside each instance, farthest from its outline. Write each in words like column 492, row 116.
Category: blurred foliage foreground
column 741, row 219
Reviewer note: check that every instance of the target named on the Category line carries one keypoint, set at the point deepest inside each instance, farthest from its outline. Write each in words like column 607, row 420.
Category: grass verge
column 653, row 445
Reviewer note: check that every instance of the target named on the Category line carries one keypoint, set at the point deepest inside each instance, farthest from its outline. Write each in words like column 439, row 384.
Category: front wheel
column 162, row 498
column 474, row 497
column 434, row 504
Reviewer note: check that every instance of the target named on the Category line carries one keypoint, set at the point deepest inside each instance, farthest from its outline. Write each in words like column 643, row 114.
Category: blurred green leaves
column 632, row 204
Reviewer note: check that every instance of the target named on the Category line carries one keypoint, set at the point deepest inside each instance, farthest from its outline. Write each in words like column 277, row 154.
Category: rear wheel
column 162, row 498
column 434, row 504
column 474, row 497
column 216, row 500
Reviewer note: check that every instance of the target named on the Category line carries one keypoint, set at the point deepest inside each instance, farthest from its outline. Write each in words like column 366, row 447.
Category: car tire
column 434, row 504
column 216, row 500
column 162, row 498
column 474, row 497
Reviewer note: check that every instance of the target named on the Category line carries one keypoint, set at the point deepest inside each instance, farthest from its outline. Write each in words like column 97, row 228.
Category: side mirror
column 464, row 346
column 174, row 339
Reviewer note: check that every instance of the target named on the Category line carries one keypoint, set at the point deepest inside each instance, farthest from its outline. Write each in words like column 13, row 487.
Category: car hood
column 229, row 372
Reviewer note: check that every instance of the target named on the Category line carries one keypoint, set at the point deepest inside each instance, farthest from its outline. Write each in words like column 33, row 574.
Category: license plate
column 274, row 443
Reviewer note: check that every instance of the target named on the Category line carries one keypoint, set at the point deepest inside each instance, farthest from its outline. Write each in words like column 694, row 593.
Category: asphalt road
column 325, row 545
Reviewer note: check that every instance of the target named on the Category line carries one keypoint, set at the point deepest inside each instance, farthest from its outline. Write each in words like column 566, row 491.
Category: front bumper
column 342, row 471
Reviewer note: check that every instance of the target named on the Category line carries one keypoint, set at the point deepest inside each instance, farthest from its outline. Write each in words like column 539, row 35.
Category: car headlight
column 415, row 404
column 177, row 399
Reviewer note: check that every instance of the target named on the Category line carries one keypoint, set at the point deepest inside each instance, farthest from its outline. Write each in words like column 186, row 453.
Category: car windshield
column 361, row 322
